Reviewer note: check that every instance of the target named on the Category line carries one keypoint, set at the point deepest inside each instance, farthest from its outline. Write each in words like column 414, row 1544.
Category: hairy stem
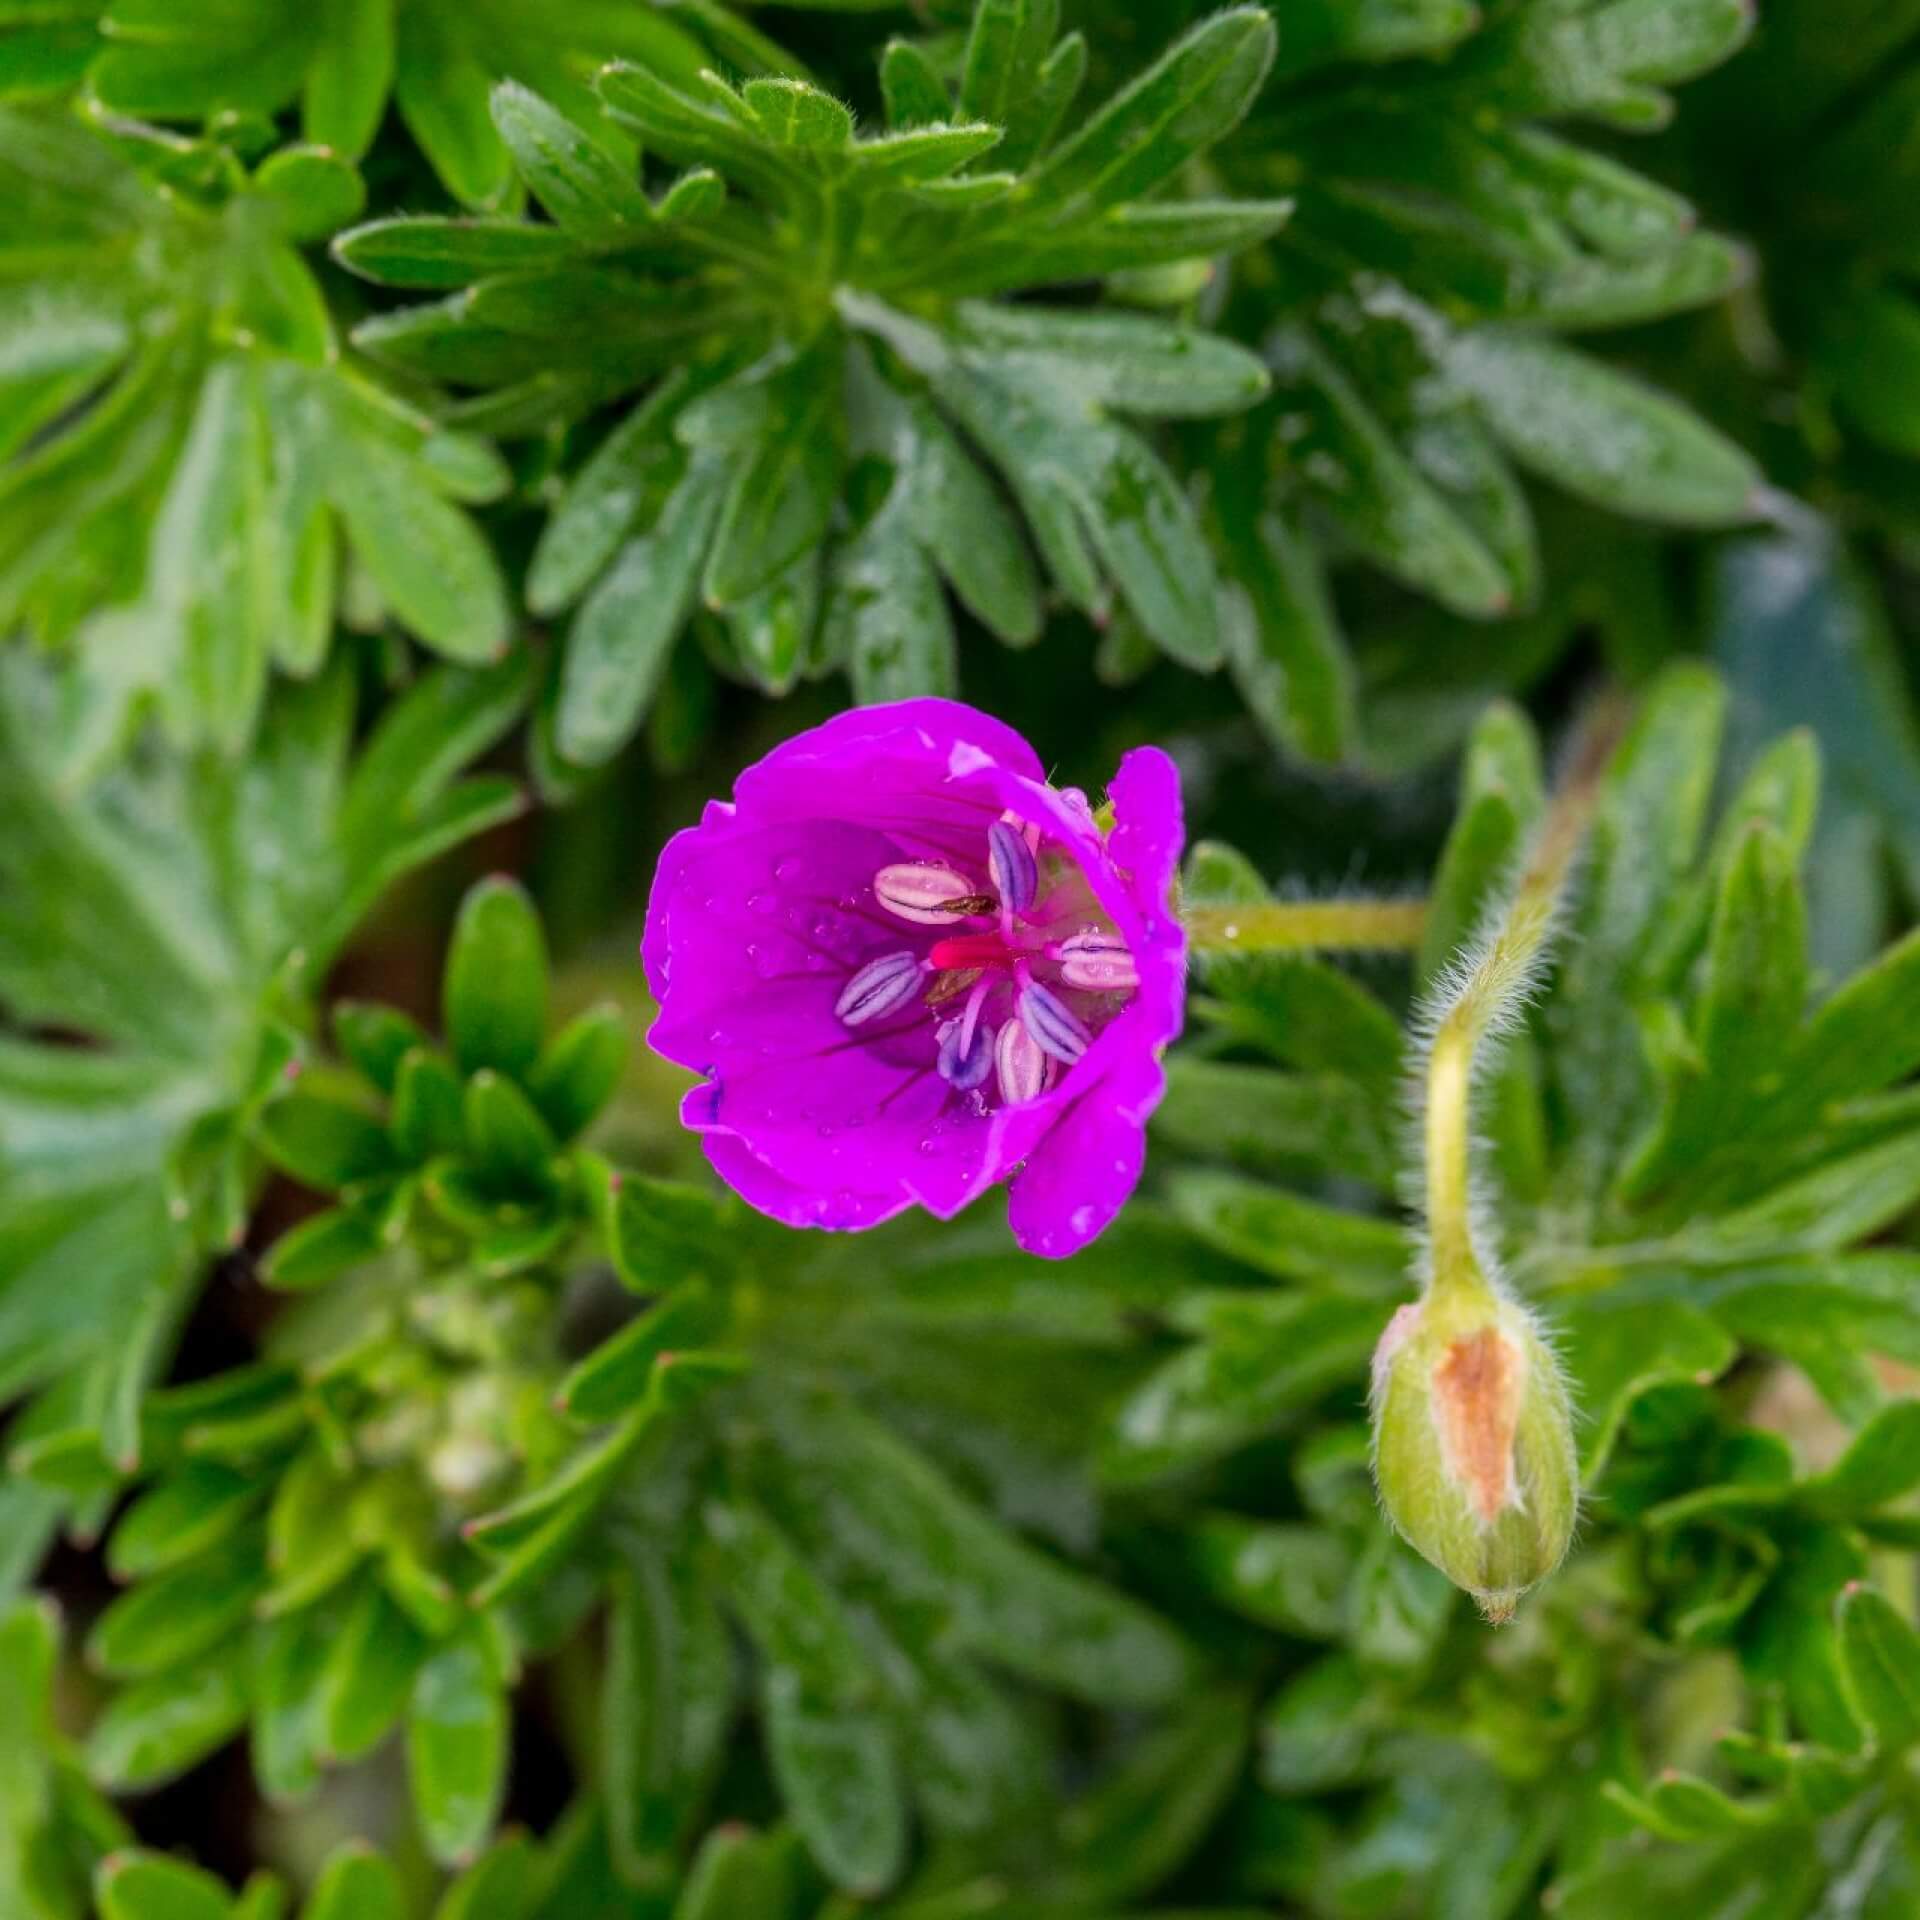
column 1497, row 977
column 1308, row 926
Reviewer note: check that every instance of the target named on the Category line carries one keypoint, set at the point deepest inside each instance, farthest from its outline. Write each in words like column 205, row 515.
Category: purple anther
column 926, row 894
column 966, row 1057
column 970, row 1015
column 1016, row 874
column 1097, row 962
column 1053, row 1023
column 881, row 987
column 1023, row 1067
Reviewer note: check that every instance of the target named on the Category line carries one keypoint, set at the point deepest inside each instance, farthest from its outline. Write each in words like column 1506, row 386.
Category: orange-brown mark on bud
column 1476, row 1405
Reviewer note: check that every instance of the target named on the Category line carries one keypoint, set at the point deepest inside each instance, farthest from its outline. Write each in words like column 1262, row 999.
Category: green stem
column 1497, row 981
column 1308, row 926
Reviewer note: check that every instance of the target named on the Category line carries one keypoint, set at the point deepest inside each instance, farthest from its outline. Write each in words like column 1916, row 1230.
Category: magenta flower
column 908, row 968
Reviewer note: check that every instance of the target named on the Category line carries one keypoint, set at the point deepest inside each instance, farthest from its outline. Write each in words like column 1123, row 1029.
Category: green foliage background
column 441, row 440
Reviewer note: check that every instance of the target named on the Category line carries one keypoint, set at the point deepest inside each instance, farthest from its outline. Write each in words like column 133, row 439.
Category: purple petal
column 904, row 769
column 935, row 727
column 837, row 1209
column 738, row 902
column 1149, row 831
column 1082, row 1173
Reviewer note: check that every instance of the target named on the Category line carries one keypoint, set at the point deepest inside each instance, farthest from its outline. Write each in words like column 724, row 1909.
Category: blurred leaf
column 1256, row 1360
column 370, row 1670
column 151, row 1887
column 1881, row 1463
column 457, row 1729
column 1881, row 1654
column 1291, row 1238
column 1802, row 637
column 158, row 1728
column 495, row 993
column 355, row 1884
column 1615, row 1353
column 832, row 1753
column 669, row 1700
column 172, row 1618
column 1602, row 437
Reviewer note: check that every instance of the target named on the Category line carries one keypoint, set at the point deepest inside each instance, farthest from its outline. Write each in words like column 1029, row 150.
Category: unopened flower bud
column 1473, row 1444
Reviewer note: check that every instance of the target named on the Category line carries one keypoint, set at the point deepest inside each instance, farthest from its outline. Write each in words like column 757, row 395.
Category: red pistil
column 970, row 950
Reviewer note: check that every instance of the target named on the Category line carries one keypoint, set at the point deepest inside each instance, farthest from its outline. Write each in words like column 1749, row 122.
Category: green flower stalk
column 1472, row 1426
column 1307, row 926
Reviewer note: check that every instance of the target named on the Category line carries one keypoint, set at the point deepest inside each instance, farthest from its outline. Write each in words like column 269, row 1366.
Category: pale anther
column 881, row 987
column 926, row 894
column 1022, row 1066
column 1097, row 962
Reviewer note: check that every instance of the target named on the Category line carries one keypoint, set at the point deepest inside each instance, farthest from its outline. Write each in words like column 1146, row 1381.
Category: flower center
column 1024, row 972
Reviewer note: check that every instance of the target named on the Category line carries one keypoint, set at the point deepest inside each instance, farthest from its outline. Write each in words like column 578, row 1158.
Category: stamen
column 929, row 896
column 1016, row 874
column 968, row 903
column 971, row 1017
column 879, row 988
column 1097, row 962
column 1053, row 1023
column 1022, row 1065
column 966, row 1057
column 947, row 985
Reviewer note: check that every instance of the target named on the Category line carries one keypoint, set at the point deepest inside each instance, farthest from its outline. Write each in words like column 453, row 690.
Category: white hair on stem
column 1478, row 999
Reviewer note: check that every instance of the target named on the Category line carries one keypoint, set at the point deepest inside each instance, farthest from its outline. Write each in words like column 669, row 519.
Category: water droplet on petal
column 789, row 869
column 1081, row 1220
column 762, row 903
